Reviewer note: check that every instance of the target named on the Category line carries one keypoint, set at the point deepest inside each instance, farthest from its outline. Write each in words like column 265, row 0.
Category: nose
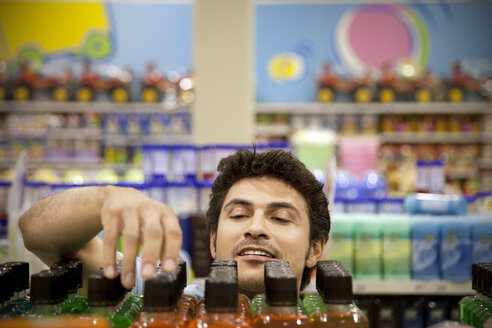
column 256, row 226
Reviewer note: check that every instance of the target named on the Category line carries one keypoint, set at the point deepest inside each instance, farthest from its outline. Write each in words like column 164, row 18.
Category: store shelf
column 69, row 163
column 273, row 129
column 487, row 137
column 313, row 108
column 120, row 140
column 394, row 287
column 92, row 107
column 412, row 287
column 430, row 137
column 56, row 133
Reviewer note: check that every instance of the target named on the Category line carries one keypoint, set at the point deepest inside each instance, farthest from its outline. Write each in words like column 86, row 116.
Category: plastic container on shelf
column 368, row 247
column 391, row 205
column 425, row 247
column 184, row 162
column 436, row 204
column 341, row 243
column 210, row 156
column 182, row 197
column 397, row 247
column 455, row 248
column 481, row 238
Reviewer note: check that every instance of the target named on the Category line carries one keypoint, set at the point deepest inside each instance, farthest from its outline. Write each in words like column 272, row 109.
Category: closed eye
column 280, row 220
column 237, row 216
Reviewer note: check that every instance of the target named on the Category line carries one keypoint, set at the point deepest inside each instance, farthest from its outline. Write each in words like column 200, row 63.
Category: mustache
column 259, row 243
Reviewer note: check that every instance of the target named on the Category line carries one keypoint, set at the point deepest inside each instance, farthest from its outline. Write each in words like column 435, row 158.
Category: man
column 263, row 206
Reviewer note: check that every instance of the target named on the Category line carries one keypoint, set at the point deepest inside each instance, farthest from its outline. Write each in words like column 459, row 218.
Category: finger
column 131, row 233
column 173, row 238
column 152, row 241
column 111, row 235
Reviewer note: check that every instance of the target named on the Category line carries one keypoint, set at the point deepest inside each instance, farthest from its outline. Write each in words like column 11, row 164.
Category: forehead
column 264, row 190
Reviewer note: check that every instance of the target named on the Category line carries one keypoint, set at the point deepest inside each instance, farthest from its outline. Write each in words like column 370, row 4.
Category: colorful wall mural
column 294, row 39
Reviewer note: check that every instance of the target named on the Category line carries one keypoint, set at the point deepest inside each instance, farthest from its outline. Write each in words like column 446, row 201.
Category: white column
column 224, row 107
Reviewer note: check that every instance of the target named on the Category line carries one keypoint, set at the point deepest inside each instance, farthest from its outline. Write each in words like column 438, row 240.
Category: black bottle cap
column 231, row 263
column 280, row 284
column 323, row 268
column 5, row 290
column 103, row 291
column 487, row 280
column 20, row 276
column 474, row 276
column 47, row 287
column 70, row 274
column 161, row 292
column 221, row 290
column 181, row 275
column 63, row 281
column 75, row 268
column 336, row 286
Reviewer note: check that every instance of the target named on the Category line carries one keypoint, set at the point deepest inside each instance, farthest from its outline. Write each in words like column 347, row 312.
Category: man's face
column 264, row 218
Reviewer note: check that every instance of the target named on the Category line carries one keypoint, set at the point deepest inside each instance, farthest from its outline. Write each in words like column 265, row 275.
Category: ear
column 213, row 237
column 316, row 251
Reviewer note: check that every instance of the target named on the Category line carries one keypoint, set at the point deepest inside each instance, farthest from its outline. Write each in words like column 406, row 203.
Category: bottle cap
column 5, row 290
column 336, row 286
column 70, row 274
column 232, row 263
column 280, row 284
column 20, row 275
column 161, row 292
column 103, row 291
column 75, row 269
column 181, row 276
column 221, row 290
column 47, row 287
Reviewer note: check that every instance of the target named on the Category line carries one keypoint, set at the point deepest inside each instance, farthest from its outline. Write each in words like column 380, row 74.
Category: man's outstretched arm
column 66, row 225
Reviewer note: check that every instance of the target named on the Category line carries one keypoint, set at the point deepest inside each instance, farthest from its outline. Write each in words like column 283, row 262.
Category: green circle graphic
column 98, row 46
column 33, row 56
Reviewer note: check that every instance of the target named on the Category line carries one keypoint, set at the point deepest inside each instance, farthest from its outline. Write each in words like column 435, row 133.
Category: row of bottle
column 167, row 303
column 400, row 247
column 477, row 310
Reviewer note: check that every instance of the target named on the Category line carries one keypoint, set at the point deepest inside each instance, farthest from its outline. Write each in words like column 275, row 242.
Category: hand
column 139, row 219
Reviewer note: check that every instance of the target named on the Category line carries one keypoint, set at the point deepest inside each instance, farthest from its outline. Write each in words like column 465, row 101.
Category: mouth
column 255, row 254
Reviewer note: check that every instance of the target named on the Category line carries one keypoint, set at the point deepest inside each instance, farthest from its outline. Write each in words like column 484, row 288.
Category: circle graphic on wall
column 287, row 67
column 371, row 35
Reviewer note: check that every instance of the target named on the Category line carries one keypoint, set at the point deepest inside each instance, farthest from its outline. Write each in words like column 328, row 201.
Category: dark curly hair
column 277, row 164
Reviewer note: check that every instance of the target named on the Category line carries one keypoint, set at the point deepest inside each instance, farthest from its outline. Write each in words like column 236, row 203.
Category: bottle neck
column 103, row 310
column 46, row 309
column 282, row 309
column 340, row 308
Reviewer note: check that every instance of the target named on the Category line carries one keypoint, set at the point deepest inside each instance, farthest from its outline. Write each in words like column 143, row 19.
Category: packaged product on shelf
column 114, row 124
column 160, row 124
column 138, row 124
column 341, row 243
column 91, row 120
column 87, row 149
column 210, row 156
column 412, row 312
column 397, row 247
column 391, row 205
column 106, row 176
column 436, row 204
column 387, row 311
column 368, row 247
column 181, row 124
column 182, row 197
column 361, row 205
column 368, row 124
column 455, row 248
column 436, row 310
column 158, row 191
column 184, row 162
column 425, row 247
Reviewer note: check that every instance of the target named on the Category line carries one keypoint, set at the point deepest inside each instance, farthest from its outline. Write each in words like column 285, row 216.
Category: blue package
column 481, row 236
column 436, row 204
column 425, row 248
column 455, row 249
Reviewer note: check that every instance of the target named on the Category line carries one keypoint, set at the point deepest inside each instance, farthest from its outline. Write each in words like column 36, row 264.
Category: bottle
column 334, row 285
column 19, row 284
column 221, row 301
column 188, row 299
column 476, row 310
column 5, row 292
column 161, row 294
column 74, row 303
column 281, row 298
column 104, row 295
column 243, row 300
column 47, row 293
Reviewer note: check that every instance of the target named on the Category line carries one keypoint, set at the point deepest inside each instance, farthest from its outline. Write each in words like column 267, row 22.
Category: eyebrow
column 274, row 205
